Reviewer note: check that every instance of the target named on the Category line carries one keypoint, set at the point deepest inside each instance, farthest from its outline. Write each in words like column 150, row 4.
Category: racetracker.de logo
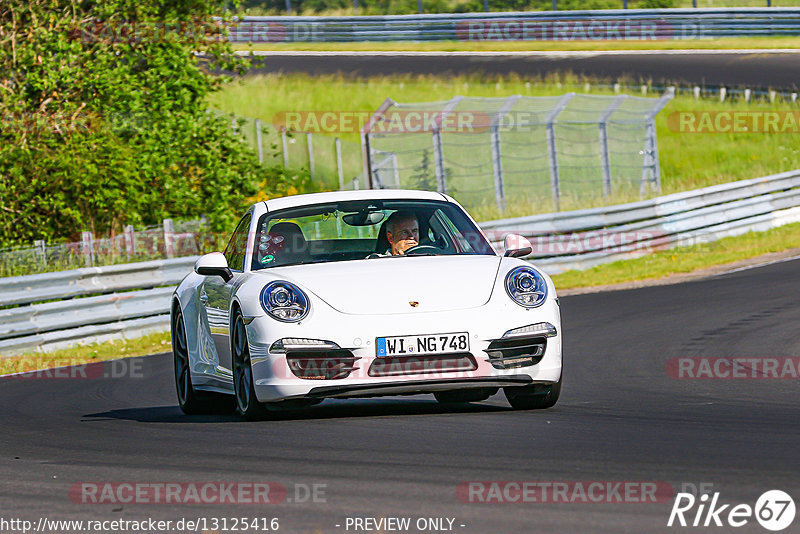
column 722, row 368
column 564, row 30
column 177, row 493
column 37, row 368
column 727, row 122
column 575, row 491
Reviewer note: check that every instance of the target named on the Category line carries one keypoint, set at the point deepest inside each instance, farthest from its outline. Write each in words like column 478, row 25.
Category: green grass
column 89, row 353
column 684, row 259
column 688, row 160
column 727, row 43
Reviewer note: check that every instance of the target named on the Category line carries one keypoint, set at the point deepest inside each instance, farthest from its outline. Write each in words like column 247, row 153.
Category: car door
column 216, row 295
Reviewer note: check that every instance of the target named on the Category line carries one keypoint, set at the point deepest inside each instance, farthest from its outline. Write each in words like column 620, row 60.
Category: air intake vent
column 414, row 365
column 512, row 353
column 316, row 365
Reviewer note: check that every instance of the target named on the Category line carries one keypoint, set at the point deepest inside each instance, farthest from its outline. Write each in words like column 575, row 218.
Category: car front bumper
column 356, row 335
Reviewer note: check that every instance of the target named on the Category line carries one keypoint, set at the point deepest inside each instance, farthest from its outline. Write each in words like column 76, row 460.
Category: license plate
column 422, row 345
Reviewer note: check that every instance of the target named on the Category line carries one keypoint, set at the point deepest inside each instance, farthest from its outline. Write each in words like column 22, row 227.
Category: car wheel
column 464, row 395
column 191, row 401
column 535, row 397
column 247, row 404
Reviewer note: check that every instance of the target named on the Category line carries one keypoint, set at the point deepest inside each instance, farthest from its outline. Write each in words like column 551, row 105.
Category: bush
column 106, row 122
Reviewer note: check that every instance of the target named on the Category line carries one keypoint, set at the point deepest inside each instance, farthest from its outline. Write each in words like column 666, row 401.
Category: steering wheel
column 422, row 249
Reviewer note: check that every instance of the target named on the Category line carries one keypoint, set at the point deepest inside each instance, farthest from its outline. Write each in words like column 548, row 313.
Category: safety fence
column 482, row 150
column 46, row 311
column 599, row 25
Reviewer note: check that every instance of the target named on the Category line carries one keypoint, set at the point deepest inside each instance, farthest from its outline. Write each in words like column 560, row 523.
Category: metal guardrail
column 128, row 300
column 586, row 25
column 585, row 238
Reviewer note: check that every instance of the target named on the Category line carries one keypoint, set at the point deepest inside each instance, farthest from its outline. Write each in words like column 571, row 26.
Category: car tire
column 535, row 397
column 464, row 395
column 190, row 400
column 247, row 404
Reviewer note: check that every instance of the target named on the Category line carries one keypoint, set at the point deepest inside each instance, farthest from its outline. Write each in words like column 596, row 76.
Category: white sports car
column 362, row 294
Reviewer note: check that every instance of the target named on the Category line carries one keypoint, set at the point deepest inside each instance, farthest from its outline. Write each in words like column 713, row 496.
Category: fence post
column 130, row 240
column 258, row 141
column 650, row 160
column 87, row 248
column 604, row 155
column 438, row 155
column 285, row 148
column 41, row 249
column 339, row 167
column 169, row 238
column 497, row 163
column 310, row 144
column 555, row 184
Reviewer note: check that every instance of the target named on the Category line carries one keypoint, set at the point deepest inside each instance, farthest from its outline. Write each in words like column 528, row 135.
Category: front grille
column 511, row 353
column 413, row 365
column 318, row 365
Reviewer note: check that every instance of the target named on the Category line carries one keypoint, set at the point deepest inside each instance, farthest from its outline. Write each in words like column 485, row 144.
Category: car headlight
column 284, row 301
column 526, row 286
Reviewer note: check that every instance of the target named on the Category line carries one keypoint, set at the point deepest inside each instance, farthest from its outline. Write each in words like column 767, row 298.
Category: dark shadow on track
column 340, row 410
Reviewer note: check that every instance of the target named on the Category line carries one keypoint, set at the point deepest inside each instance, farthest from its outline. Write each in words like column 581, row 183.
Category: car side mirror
column 517, row 246
column 213, row 264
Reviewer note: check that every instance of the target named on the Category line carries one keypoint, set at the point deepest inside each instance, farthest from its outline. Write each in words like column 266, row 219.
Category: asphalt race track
column 620, row 418
column 776, row 70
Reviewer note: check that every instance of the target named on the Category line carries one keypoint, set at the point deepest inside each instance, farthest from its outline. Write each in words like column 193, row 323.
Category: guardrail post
column 169, row 238
column 259, row 145
column 42, row 250
column 552, row 154
column 285, row 148
column 438, row 154
column 87, row 248
column 339, row 166
column 310, row 144
column 129, row 236
column 604, row 155
column 497, row 163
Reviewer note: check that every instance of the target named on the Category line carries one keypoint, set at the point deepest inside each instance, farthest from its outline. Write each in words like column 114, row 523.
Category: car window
column 237, row 246
column 343, row 232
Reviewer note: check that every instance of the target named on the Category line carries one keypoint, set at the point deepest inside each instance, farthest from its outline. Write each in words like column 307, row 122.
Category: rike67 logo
column 774, row 510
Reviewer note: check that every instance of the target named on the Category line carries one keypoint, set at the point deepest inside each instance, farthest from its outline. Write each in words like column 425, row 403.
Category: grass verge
column 90, row 353
column 723, row 43
column 687, row 160
column 684, row 259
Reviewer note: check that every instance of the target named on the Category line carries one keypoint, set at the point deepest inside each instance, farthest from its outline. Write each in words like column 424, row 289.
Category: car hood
column 390, row 285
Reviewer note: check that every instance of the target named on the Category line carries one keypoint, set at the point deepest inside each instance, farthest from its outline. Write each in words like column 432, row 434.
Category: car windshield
column 357, row 230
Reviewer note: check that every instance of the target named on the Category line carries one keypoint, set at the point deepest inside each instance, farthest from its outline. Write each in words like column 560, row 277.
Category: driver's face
column 405, row 236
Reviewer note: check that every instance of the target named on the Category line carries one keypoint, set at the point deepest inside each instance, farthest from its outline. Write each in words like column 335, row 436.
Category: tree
column 105, row 119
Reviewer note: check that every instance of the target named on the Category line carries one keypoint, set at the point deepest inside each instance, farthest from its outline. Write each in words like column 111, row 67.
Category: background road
column 745, row 69
column 620, row 418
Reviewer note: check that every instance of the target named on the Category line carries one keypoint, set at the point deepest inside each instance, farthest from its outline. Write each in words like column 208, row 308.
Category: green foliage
column 376, row 7
column 105, row 118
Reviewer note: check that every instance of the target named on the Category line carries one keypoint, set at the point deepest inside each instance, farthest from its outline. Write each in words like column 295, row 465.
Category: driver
column 402, row 232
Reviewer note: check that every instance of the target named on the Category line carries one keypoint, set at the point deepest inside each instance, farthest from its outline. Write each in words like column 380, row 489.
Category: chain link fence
column 567, row 150
column 168, row 240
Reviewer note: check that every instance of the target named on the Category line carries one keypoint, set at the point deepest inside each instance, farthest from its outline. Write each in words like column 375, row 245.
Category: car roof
column 340, row 196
